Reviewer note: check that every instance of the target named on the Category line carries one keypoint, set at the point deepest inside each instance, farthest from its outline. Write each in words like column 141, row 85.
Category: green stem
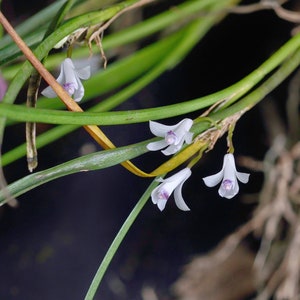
column 37, row 21
column 111, row 157
column 184, row 39
column 135, row 116
column 264, row 89
column 67, row 28
column 256, row 96
column 117, row 241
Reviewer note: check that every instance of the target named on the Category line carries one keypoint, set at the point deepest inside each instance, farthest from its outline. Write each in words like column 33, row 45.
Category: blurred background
column 52, row 243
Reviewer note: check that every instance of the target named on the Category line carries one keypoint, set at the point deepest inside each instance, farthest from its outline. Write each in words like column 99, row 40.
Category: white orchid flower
column 174, row 136
column 228, row 175
column 69, row 78
column 161, row 194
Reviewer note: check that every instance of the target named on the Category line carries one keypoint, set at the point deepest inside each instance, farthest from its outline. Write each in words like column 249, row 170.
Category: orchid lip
column 227, row 184
column 163, row 195
column 69, row 87
column 171, row 137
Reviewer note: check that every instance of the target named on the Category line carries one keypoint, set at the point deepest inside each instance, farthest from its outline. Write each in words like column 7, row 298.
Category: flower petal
column 160, row 129
column 229, row 193
column 161, row 204
column 242, row 177
column 182, row 128
column 179, row 199
column 84, row 73
column 213, row 180
column 79, row 92
column 159, row 196
column 70, row 73
column 49, row 92
column 154, row 146
column 172, row 149
column 188, row 137
column 178, row 192
column 229, row 161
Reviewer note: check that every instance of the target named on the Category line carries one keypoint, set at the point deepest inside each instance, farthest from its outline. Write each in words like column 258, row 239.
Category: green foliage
column 169, row 36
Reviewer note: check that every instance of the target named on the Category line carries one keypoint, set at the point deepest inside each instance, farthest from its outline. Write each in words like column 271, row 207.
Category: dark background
column 53, row 243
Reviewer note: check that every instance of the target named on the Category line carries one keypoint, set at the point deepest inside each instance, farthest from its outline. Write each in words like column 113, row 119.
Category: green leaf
column 118, row 240
column 231, row 93
column 95, row 161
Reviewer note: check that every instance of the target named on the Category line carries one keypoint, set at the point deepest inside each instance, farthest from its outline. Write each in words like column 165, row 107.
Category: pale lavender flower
column 161, row 194
column 173, row 136
column 69, row 78
column 228, row 175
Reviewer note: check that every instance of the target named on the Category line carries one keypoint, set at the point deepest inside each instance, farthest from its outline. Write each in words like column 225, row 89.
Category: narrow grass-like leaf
column 134, row 116
column 118, row 240
column 94, row 161
column 35, row 23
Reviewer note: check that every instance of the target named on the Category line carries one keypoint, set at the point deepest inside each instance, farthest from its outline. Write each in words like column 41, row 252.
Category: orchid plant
column 79, row 30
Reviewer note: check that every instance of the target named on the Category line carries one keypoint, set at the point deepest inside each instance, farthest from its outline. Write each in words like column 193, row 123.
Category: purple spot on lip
column 163, row 195
column 227, row 184
column 170, row 137
column 69, row 87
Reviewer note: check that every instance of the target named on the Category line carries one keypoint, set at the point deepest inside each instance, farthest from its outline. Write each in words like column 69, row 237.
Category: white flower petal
column 84, row 73
column 79, row 93
column 160, row 129
column 178, row 193
column 213, row 180
column 157, row 196
column 229, row 161
column 182, row 128
column 70, row 73
column 49, row 92
column 242, row 177
column 172, row 149
column 229, row 193
column 154, row 146
column 61, row 79
column 188, row 137
column 154, row 195
column 179, row 199
column 161, row 204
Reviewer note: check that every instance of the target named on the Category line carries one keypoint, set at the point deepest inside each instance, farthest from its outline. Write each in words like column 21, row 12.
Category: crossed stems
column 95, row 132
